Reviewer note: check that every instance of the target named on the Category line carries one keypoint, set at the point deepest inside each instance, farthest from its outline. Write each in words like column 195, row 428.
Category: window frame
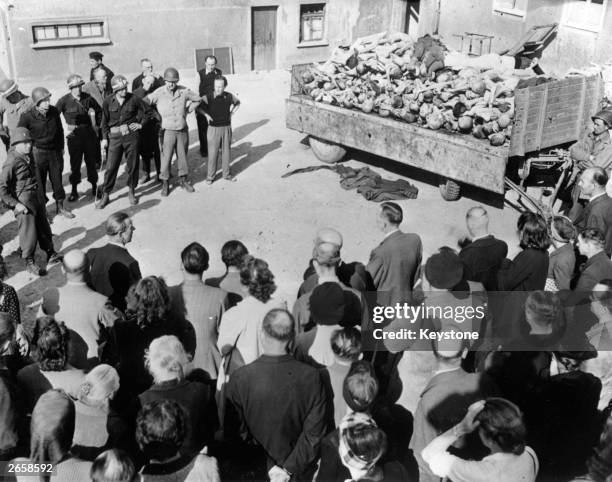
column 313, row 43
column 515, row 12
column 103, row 39
column 569, row 24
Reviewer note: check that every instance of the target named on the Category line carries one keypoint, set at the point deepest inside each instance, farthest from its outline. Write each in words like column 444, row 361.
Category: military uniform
column 10, row 113
column 18, row 184
column 81, row 137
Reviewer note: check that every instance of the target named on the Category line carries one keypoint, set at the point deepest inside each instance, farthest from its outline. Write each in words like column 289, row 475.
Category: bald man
column 597, row 214
column 80, row 308
column 281, row 402
column 352, row 275
column 483, row 255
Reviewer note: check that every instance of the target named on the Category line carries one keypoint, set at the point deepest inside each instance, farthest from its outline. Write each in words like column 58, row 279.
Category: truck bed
column 457, row 156
column 546, row 116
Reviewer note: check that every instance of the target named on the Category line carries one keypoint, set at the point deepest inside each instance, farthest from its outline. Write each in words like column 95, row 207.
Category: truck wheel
column 325, row 151
column 450, row 190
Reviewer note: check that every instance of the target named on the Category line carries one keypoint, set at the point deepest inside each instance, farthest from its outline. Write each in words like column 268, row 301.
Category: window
column 517, row 8
column 69, row 33
column 585, row 14
column 312, row 22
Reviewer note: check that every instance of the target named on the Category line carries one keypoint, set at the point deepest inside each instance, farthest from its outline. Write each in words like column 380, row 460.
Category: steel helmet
column 20, row 134
column 39, row 94
column 7, row 87
column 119, row 82
column 171, row 74
column 75, row 80
column 605, row 115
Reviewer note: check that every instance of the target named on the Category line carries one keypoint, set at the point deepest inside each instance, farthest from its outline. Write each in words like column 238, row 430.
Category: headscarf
column 358, row 467
column 52, row 427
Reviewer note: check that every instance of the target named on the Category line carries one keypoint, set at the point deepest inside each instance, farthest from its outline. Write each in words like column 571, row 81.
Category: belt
column 122, row 130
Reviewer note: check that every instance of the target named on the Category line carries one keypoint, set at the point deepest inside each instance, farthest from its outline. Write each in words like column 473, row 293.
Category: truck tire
column 450, row 190
column 326, row 152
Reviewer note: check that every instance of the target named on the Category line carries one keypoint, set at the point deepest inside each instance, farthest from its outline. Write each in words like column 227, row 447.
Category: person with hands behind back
column 502, row 430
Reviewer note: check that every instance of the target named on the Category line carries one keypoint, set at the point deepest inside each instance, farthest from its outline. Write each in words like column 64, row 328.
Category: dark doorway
column 263, row 38
column 413, row 9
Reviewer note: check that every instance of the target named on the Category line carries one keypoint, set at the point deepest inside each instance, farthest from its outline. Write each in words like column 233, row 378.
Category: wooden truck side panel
column 554, row 113
column 459, row 157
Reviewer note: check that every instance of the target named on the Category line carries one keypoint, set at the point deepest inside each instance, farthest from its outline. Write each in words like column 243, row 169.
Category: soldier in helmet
column 13, row 103
column 592, row 150
column 20, row 190
column 95, row 61
column 173, row 103
column 122, row 117
column 45, row 126
column 80, row 111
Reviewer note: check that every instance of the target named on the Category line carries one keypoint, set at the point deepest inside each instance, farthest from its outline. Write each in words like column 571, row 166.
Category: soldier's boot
column 74, row 195
column 62, row 211
column 132, row 197
column 104, row 200
column 185, row 184
column 53, row 257
column 165, row 188
column 31, row 267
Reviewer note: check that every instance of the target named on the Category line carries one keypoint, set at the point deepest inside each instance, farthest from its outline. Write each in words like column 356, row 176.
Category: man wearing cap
column 172, row 102
column 592, row 150
column 395, row 263
column 122, row 116
column 13, row 103
column 207, row 86
column 150, row 133
column 350, row 274
column 80, row 111
column 20, row 190
column 146, row 67
column 325, row 259
column 45, row 126
column 95, row 61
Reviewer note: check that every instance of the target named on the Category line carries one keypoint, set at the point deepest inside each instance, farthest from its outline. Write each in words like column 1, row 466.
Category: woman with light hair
column 168, row 364
column 97, row 426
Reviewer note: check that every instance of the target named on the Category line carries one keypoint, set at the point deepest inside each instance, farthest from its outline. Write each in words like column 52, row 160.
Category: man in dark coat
column 597, row 214
column 597, row 268
column 95, row 61
column 484, row 254
column 280, row 403
column 149, row 135
column 394, row 265
column 207, row 86
column 113, row 269
column 19, row 189
column 146, row 67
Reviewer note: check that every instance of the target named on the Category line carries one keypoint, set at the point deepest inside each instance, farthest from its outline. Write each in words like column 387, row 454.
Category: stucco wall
column 571, row 48
column 168, row 32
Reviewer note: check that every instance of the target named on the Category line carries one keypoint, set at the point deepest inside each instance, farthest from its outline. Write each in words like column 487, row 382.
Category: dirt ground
column 276, row 218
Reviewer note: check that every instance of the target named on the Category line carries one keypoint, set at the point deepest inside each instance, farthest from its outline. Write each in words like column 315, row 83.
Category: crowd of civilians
column 122, row 378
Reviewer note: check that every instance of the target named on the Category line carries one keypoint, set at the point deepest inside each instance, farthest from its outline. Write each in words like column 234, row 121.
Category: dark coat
column 482, row 259
column 194, row 397
column 281, row 404
column 597, row 214
column 352, row 274
column 526, row 272
column 113, row 270
column 394, row 267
